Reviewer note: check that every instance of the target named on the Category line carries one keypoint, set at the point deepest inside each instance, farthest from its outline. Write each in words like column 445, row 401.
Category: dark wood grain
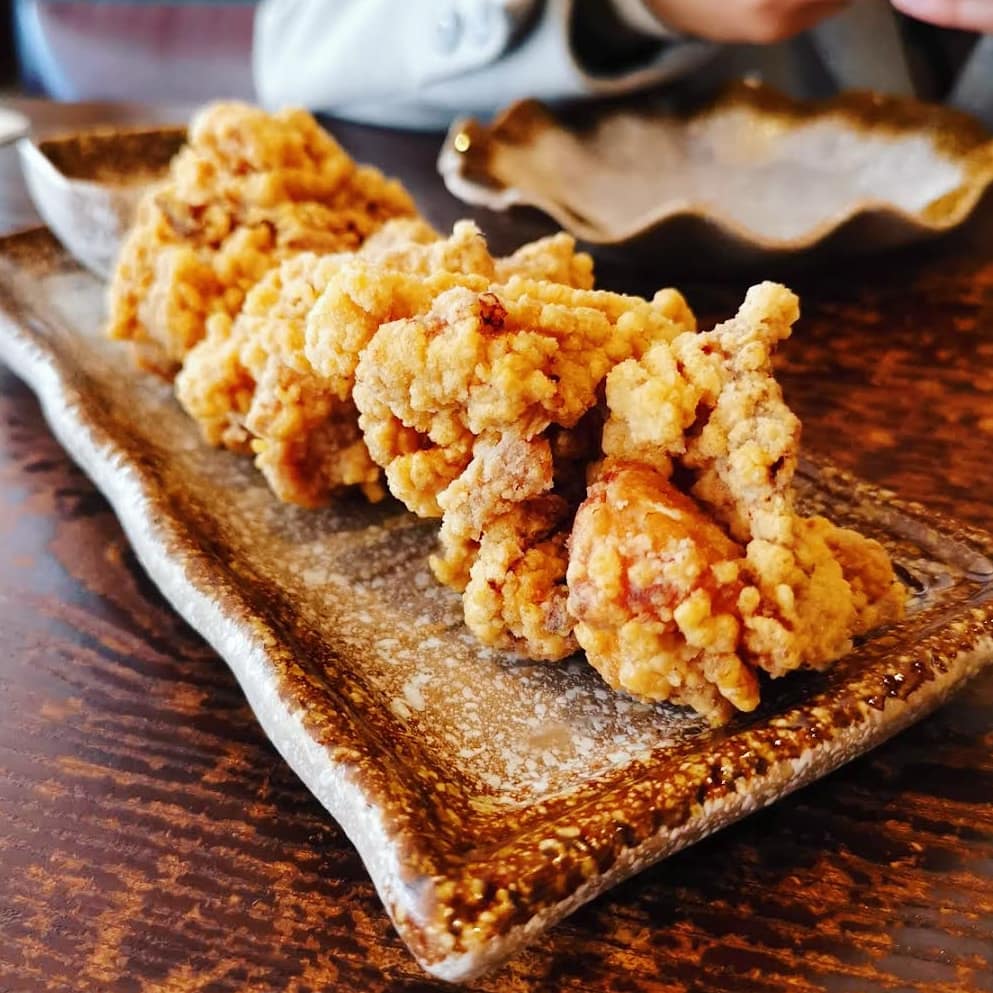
column 151, row 838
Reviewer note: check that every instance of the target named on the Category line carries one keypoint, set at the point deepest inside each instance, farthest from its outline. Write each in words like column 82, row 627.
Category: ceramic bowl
column 12, row 125
column 749, row 175
column 86, row 186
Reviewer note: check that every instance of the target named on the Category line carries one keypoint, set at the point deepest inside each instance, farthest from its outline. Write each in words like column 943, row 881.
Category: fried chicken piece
column 365, row 296
column 707, row 408
column 484, row 411
column 248, row 190
column 392, row 279
column 711, row 402
column 251, row 386
column 307, row 442
column 362, row 297
column 240, row 387
column 653, row 585
column 740, row 448
column 812, row 592
column 220, row 376
column 519, row 357
column 505, row 471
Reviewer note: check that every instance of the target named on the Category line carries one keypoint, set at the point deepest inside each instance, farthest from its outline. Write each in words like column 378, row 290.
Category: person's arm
column 756, row 22
column 421, row 62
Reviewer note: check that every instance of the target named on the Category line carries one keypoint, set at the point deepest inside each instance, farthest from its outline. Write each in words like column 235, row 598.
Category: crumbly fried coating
column 553, row 259
column 383, row 285
column 519, row 357
column 711, row 401
column 812, row 592
column 484, row 408
column 248, row 190
column 707, row 409
column 307, row 442
column 241, row 386
column 251, row 387
column 387, row 280
column 220, row 376
column 391, row 280
column 653, row 585
column 516, row 594
column 251, row 384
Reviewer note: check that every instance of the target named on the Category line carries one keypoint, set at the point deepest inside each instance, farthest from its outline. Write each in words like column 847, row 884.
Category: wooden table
column 152, row 839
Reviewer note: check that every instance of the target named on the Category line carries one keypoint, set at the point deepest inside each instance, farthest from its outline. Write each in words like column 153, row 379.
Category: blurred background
column 8, row 61
column 153, row 52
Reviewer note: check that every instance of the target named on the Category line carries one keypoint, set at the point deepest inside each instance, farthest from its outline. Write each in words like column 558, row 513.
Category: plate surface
column 488, row 797
column 749, row 175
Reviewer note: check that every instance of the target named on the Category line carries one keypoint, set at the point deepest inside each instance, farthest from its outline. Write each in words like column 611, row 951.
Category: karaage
column 248, row 190
column 477, row 410
column 685, row 599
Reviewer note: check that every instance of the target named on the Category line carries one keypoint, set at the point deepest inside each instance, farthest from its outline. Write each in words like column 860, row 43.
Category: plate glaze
column 750, row 175
column 488, row 797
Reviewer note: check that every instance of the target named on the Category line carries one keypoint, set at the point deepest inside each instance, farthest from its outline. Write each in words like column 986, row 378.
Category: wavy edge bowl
column 465, row 164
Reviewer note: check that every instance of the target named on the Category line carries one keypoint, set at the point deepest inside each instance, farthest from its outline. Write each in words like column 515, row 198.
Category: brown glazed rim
column 466, row 157
column 80, row 156
column 463, row 909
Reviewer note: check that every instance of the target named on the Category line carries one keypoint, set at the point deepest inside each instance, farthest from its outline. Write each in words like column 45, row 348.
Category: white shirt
column 419, row 63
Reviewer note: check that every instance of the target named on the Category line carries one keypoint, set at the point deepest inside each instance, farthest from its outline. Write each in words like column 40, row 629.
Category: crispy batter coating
column 653, row 584
column 711, row 401
column 250, row 382
column 388, row 279
column 483, row 410
column 384, row 286
column 220, row 376
column 553, row 259
column 307, row 442
column 248, row 190
column 518, row 357
column 516, row 594
column 707, row 408
column 239, row 385
column 381, row 287
column 813, row 591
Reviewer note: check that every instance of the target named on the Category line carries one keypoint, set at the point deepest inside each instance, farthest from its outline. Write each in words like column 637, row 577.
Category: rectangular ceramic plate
column 488, row 797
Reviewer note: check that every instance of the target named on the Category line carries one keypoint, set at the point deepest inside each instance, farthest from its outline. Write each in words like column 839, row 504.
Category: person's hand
column 759, row 22
column 969, row 15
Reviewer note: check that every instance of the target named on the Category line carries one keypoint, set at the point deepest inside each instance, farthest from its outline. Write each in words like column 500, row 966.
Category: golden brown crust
column 707, row 408
column 277, row 378
column 553, row 259
column 250, row 384
column 518, row 358
column 516, row 594
column 653, row 584
column 248, row 190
